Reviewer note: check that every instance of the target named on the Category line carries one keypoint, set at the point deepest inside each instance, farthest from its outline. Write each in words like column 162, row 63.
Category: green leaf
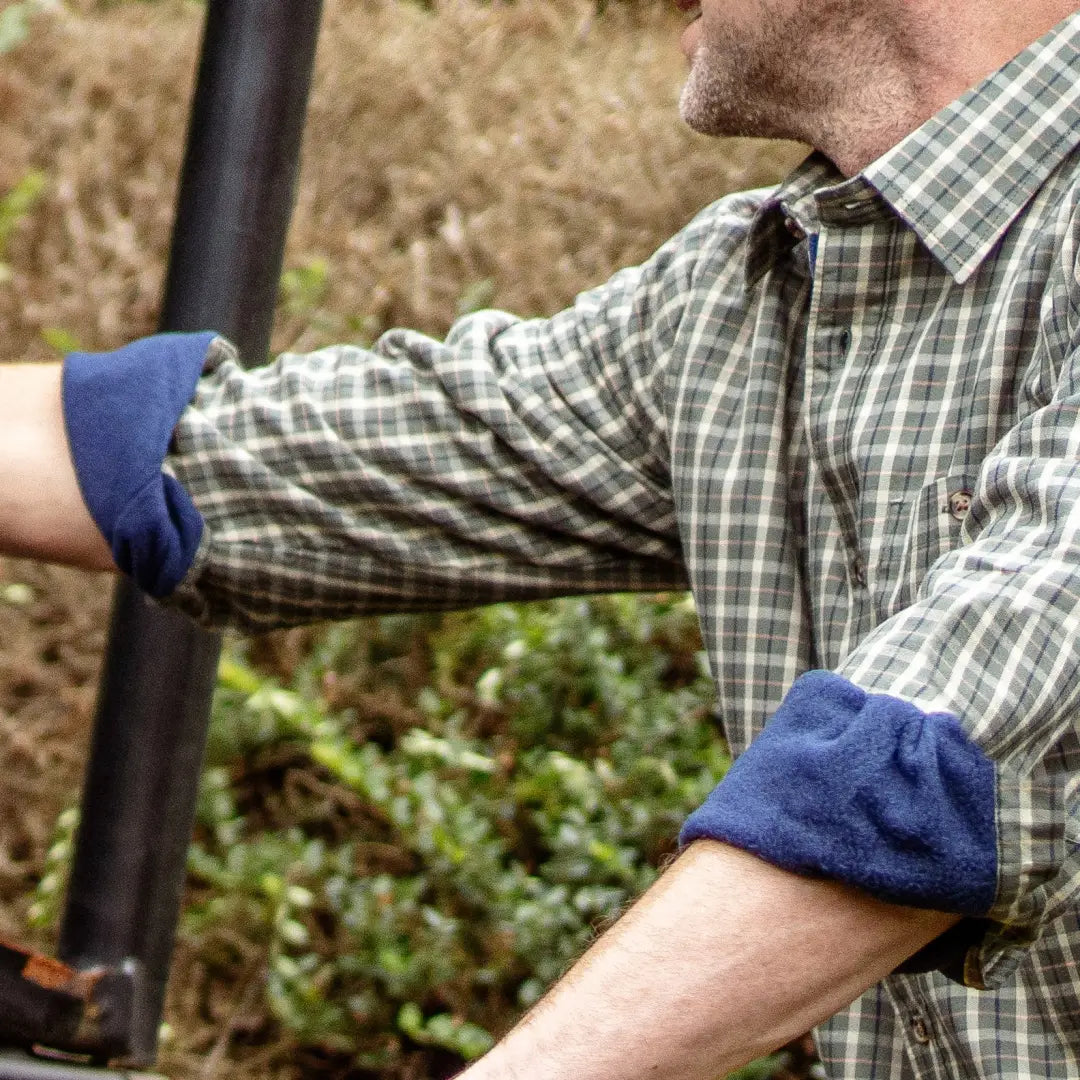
column 468, row 1040
column 476, row 297
column 761, row 1069
column 60, row 340
column 304, row 287
column 15, row 25
column 23, row 197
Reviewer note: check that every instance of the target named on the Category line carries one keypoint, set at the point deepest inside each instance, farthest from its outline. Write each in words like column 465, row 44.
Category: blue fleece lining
column 120, row 409
column 866, row 789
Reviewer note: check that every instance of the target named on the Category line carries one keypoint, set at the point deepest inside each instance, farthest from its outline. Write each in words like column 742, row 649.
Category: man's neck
column 945, row 48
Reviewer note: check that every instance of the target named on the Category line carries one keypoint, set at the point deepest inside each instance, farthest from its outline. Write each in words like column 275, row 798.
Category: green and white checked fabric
column 845, row 412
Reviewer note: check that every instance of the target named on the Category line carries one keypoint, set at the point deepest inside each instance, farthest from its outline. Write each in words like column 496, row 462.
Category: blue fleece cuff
column 865, row 789
column 120, row 409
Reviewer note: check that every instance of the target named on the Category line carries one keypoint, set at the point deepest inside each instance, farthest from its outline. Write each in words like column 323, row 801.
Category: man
column 847, row 412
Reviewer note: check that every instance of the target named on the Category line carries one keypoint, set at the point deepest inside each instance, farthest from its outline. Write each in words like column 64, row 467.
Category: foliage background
column 408, row 826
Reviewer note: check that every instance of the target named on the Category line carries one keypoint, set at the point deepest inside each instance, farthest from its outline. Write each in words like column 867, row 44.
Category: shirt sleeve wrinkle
column 516, row 459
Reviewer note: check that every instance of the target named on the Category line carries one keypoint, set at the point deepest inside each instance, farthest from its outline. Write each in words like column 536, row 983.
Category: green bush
column 413, row 825
column 436, row 814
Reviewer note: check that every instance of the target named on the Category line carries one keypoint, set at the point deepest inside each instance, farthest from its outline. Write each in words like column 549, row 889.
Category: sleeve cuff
column 866, row 789
column 120, row 409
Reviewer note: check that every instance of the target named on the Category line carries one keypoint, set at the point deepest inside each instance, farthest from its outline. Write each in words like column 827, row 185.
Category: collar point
column 964, row 272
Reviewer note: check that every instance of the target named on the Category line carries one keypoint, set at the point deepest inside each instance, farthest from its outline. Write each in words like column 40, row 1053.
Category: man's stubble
column 788, row 73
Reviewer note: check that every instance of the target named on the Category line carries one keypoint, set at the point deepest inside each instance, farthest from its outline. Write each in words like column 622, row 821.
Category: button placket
column 829, row 342
column 927, row 1048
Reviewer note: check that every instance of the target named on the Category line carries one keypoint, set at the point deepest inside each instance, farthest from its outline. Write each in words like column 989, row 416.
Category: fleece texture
column 120, row 409
column 866, row 789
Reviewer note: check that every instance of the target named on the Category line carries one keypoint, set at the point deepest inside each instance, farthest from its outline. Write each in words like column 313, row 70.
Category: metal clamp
column 45, row 1002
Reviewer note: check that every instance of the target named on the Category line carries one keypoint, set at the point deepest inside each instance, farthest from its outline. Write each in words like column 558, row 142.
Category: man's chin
column 705, row 102
column 698, row 111
column 715, row 105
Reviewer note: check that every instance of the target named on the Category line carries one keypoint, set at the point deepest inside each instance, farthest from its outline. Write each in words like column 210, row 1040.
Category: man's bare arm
column 725, row 958
column 42, row 514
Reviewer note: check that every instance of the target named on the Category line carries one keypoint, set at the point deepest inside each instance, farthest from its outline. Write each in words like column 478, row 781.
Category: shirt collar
column 961, row 179
column 769, row 235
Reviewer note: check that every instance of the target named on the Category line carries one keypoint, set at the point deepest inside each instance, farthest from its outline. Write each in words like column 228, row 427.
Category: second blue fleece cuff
column 120, row 409
column 866, row 789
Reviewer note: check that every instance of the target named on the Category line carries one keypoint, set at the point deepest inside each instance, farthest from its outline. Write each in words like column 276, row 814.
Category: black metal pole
column 235, row 200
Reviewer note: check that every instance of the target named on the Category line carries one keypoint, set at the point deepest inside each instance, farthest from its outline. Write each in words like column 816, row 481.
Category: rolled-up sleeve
column 941, row 759
column 119, row 411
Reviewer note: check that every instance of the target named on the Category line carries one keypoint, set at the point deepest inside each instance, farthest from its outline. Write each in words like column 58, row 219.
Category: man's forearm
column 42, row 514
column 724, row 959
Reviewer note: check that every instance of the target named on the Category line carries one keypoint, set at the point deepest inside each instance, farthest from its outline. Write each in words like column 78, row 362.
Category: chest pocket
column 930, row 526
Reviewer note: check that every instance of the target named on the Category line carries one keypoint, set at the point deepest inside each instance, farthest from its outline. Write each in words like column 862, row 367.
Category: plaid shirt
column 845, row 412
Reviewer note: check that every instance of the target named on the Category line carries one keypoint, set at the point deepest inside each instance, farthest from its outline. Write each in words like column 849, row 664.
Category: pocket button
column 959, row 504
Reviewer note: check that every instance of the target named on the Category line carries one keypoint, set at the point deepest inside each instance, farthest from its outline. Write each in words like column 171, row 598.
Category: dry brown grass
column 531, row 147
column 520, row 150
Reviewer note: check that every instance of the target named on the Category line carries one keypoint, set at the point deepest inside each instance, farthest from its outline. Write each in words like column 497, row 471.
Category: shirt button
column 959, row 504
column 919, row 1031
column 858, row 569
column 794, row 228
